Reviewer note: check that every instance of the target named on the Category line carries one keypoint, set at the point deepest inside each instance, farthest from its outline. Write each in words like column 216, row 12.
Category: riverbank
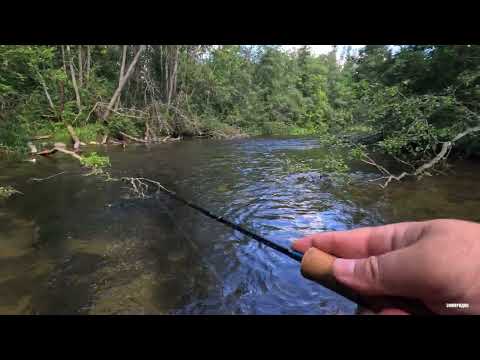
column 46, row 136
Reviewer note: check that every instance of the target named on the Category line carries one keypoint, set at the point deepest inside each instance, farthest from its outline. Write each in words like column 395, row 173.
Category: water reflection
column 74, row 244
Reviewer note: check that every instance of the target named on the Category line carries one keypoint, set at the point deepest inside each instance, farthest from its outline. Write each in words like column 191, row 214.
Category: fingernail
column 296, row 245
column 343, row 267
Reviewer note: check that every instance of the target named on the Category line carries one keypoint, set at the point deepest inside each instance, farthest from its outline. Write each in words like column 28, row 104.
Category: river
column 75, row 244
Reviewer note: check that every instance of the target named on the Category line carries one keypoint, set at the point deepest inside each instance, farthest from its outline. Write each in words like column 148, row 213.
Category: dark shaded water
column 78, row 245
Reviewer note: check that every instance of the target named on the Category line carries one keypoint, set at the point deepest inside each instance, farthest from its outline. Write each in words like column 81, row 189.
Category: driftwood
column 132, row 138
column 41, row 137
column 47, row 178
column 115, row 142
column 165, row 139
column 60, row 149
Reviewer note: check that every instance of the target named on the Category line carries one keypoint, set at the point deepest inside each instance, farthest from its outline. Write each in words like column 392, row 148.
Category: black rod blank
column 410, row 305
column 290, row 253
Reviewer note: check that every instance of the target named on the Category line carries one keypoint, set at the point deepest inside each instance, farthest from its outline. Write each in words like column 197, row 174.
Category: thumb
column 362, row 275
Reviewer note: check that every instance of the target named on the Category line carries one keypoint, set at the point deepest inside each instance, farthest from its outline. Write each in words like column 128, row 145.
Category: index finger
column 363, row 242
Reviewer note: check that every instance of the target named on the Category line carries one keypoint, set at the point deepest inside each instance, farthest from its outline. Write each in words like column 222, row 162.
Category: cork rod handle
column 318, row 266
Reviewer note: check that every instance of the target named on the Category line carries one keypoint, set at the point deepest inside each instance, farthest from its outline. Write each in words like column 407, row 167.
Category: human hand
column 436, row 262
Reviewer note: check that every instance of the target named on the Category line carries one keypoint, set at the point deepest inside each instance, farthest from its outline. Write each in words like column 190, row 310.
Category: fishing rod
column 325, row 278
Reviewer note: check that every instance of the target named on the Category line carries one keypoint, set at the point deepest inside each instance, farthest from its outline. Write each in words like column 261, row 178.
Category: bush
column 90, row 132
column 274, row 128
column 13, row 136
column 95, row 161
column 217, row 129
column 117, row 124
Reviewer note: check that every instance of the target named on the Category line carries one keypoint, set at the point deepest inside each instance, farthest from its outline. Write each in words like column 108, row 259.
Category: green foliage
column 412, row 126
column 98, row 165
column 414, row 97
column 7, row 191
column 58, row 130
column 332, row 164
column 231, row 89
column 90, row 132
column 268, row 91
column 274, row 128
column 13, row 136
column 95, row 161
column 117, row 124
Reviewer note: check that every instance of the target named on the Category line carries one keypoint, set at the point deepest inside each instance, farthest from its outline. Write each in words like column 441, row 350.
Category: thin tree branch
column 122, row 83
column 74, row 80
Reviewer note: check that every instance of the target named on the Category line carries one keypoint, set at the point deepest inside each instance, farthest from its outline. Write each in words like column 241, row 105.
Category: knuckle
column 372, row 269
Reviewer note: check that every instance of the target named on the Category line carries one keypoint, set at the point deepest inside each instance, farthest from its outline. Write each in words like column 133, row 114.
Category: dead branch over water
column 48, row 177
column 422, row 170
column 139, row 186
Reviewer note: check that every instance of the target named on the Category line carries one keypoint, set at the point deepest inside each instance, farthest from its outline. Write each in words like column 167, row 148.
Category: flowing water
column 75, row 244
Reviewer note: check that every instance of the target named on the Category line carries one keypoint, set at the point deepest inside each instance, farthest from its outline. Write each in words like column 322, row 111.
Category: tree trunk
column 45, row 89
column 173, row 77
column 147, row 131
column 80, row 66
column 88, row 64
column 76, row 140
column 122, row 72
column 63, row 59
column 62, row 99
column 74, row 80
column 166, row 74
column 122, row 83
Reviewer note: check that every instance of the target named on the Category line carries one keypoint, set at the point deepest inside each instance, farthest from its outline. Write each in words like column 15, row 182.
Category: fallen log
column 132, row 138
column 41, row 137
column 60, row 149
column 115, row 142
column 71, row 153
